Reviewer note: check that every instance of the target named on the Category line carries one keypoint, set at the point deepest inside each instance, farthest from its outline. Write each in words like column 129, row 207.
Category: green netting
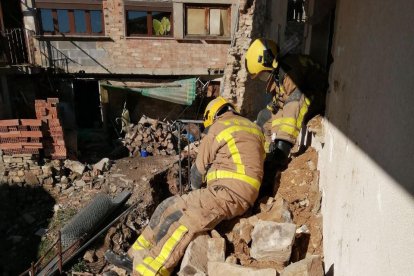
column 180, row 92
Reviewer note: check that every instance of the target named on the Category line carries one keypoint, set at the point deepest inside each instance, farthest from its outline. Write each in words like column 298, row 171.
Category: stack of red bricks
column 20, row 136
column 53, row 141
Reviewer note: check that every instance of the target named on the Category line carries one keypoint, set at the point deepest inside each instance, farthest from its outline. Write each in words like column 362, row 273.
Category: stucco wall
column 367, row 162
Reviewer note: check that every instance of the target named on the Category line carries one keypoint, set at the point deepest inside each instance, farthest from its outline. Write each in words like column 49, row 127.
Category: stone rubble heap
column 150, row 135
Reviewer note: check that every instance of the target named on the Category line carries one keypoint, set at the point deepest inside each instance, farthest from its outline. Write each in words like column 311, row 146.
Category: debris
column 149, row 136
column 194, row 260
column 218, row 269
column 310, row 266
column 216, row 250
column 272, row 241
column 89, row 256
column 75, row 166
column 102, row 165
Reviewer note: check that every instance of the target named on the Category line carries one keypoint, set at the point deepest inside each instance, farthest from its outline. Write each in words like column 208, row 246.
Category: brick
column 10, row 146
column 10, row 134
column 35, row 134
column 31, row 122
column 12, row 122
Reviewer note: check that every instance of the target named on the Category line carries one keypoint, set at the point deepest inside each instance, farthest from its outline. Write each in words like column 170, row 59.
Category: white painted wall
column 367, row 163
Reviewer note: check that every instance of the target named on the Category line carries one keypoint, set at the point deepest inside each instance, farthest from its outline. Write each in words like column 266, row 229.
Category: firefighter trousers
column 177, row 221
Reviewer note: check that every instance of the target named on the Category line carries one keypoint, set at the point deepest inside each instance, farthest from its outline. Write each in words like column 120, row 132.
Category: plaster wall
column 367, row 161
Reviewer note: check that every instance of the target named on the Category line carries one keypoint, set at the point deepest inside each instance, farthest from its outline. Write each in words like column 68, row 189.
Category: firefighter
column 297, row 85
column 230, row 160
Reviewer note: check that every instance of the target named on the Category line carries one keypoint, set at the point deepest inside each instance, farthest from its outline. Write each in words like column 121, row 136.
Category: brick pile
column 20, row 136
column 53, row 141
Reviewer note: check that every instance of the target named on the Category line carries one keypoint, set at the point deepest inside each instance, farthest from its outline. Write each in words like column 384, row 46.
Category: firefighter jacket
column 302, row 82
column 232, row 155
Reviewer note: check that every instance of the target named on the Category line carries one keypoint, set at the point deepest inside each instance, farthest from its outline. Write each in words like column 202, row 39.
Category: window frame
column 206, row 6
column 149, row 7
column 70, row 6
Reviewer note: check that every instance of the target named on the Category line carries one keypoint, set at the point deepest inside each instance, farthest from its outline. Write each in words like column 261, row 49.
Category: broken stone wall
column 255, row 21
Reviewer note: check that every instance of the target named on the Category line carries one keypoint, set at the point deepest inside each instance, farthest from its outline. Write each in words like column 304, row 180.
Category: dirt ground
column 152, row 179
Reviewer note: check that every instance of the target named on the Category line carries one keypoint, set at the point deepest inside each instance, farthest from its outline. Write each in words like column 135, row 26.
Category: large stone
column 310, row 266
column 275, row 210
column 31, row 179
column 272, row 241
column 219, row 269
column 102, row 165
column 194, row 261
column 216, row 250
column 75, row 166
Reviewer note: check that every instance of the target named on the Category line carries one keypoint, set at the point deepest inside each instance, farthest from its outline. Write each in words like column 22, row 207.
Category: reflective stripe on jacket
column 232, row 154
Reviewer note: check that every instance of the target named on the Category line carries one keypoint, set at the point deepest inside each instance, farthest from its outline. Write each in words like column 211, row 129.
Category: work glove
column 278, row 152
column 196, row 179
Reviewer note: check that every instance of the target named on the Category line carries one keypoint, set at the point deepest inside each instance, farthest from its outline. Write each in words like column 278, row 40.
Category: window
column 154, row 20
column 79, row 18
column 207, row 21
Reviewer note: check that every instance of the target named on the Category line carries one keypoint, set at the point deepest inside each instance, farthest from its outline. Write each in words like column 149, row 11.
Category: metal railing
column 14, row 47
column 52, row 57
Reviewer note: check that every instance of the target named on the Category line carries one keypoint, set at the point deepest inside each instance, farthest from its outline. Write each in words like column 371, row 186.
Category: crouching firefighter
column 230, row 161
column 297, row 85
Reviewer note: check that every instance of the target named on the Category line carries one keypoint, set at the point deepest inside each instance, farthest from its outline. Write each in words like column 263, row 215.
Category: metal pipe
column 179, row 158
column 60, row 261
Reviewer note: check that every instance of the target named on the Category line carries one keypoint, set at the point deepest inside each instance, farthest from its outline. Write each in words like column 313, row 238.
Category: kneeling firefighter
column 230, row 160
column 297, row 85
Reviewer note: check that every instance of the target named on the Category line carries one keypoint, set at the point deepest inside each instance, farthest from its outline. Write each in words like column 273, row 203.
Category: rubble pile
column 150, row 137
column 280, row 236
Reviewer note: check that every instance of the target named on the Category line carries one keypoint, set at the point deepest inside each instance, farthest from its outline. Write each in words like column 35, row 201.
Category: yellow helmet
column 213, row 108
column 261, row 56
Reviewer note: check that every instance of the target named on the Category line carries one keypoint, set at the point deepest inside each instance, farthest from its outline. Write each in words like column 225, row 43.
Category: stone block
column 272, row 241
column 75, row 166
column 194, row 261
column 219, row 269
column 102, row 165
column 216, row 250
column 31, row 179
column 275, row 210
column 310, row 266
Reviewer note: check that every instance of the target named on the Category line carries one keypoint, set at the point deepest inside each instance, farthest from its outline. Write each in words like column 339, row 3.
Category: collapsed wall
column 237, row 85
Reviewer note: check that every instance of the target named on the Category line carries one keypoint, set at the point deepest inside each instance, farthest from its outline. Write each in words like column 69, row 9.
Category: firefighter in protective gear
column 230, row 161
column 297, row 85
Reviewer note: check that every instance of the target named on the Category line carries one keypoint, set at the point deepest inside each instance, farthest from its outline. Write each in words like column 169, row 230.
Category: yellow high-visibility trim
column 144, row 242
column 302, row 112
column 289, row 130
column 232, row 175
column 289, row 121
column 234, row 151
column 157, row 264
column 136, row 246
column 226, row 135
column 141, row 243
column 144, row 271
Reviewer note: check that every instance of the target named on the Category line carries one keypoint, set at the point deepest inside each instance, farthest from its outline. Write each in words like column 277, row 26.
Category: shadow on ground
column 23, row 212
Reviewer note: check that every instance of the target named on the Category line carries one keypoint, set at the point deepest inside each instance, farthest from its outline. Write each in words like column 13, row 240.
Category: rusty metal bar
column 60, row 261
